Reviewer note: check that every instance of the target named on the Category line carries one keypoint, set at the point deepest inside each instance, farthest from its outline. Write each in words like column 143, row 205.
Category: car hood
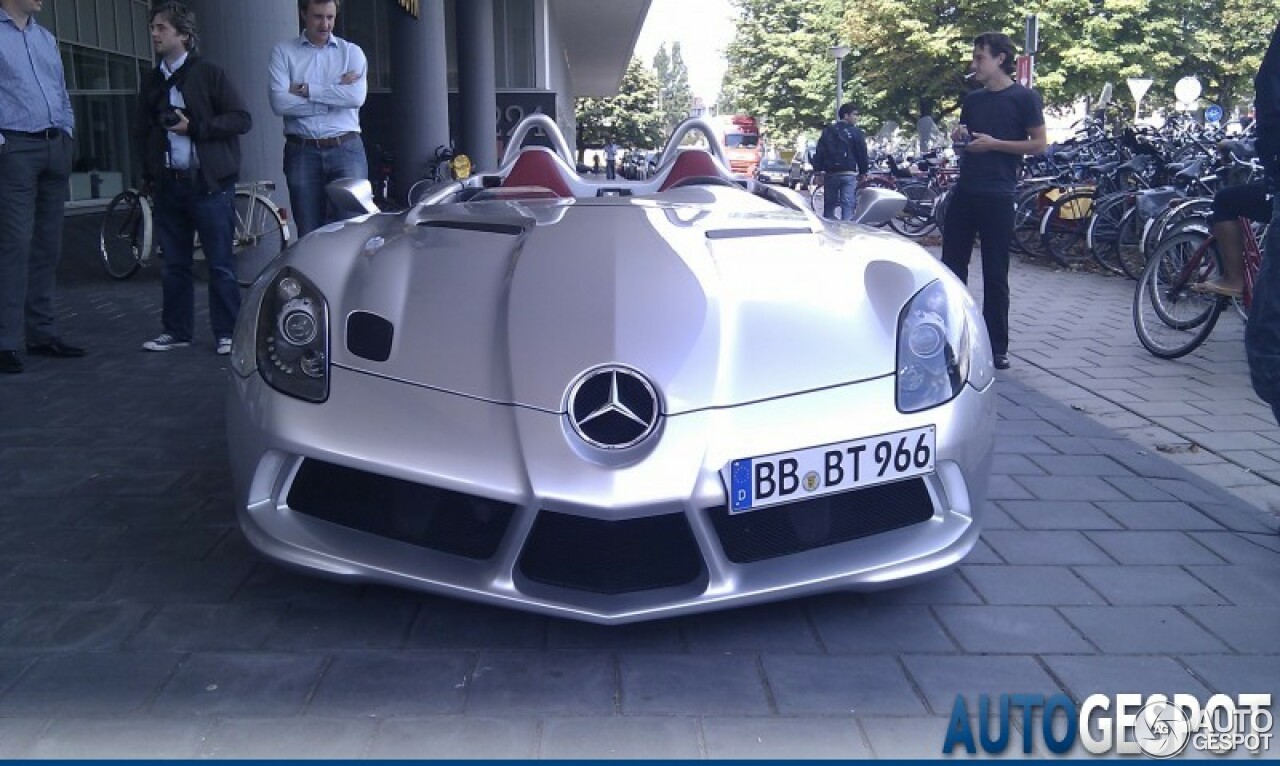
column 511, row 302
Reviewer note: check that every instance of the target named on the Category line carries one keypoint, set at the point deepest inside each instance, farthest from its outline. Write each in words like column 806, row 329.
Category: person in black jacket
column 999, row 124
column 190, row 121
column 1262, row 332
column 841, row 156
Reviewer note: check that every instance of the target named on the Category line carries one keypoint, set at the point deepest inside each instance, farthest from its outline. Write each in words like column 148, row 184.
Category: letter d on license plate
column 787, row 477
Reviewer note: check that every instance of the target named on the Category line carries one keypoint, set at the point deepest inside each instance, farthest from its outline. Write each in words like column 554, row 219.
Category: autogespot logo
column 1126, row 724
column 613, row 407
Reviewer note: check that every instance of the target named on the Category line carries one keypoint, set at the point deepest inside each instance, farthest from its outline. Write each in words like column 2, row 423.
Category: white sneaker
column 165, row 342
column 224, row 346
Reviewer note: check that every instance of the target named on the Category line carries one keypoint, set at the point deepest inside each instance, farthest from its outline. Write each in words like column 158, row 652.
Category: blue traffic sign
column 1212, row 113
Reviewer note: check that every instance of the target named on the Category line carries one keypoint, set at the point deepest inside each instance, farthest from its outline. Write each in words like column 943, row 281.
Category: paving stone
column 393, row 684
column 1022, row 445
column 994, row 517
column 45, row 512
column 620, row 737
column 307, row 738
column 1006, row 488
column 243, row 684
column 181, row 582
column 1239, row 517
column 906, row 738
column 88, row 683
column 1010, row 630
column 369, row 624
column 1135, row 547
column 46, row 581
column 456, row 738
column 1145, row 675
column 1158, row 515
column 35, row 543
column 561, row 683
column 117, row 738
column 806, row 684
column 1149, row 585
column 1239, row 549
column 78, row 627
column 1138, row 488
column 848, row 625
column 452, row 624
column 1028, row 428
column 1151, row 466
column 157, row 544
column 1058, row 515
column 1053, row 547
column 1071, row 488
column 271, row 583
column 666, row 684
column 981, row 553
column 772, row 627
column 1015, row 465
column 655, row 636
column 1243, row 585
column 1234, row 675
column 1030, row 585
column 1080, row 465
column 207, row 627
column 944, row 588
column 784, row 738
column 942, row 678
column 17, row 735
column 1141, row 630
column 1249, row 630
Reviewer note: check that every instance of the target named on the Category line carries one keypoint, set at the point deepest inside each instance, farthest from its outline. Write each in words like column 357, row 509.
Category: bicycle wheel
column 1132, row 258
column 940, row 209
column 916, row 219
column 259, row 233
column 817, row 199
column 125, row 238
column 1103, row 235
column 1027, row 216
column 1170, row 318
column 1063, row 228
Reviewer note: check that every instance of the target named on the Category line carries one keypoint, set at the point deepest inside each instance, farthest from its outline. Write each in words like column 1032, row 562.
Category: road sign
column 1213, row 113
column 1138, row 86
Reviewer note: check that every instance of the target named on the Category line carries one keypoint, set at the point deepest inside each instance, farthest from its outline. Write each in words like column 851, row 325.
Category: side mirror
column 878, row 206
column 352, row 196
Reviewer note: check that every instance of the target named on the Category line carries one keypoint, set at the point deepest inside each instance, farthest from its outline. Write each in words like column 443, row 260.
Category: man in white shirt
column 318, row 84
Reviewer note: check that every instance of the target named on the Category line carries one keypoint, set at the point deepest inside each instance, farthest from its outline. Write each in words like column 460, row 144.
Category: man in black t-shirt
column 1262, row 332
column 998, row 125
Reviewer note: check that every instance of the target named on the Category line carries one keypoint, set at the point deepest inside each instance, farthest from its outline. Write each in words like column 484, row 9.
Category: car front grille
column 418, row 514
column 611, row 557
column 808, row 524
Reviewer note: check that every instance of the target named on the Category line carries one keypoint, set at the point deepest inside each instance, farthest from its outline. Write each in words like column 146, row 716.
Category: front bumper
column 550, row 526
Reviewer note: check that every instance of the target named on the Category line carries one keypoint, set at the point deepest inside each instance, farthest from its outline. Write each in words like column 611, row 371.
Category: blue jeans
column 182, row 209
column 840, row 190
column 308, row 169
column 1262, row 332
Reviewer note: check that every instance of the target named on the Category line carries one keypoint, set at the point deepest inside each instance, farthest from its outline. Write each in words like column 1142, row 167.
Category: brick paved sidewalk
column 135, row 621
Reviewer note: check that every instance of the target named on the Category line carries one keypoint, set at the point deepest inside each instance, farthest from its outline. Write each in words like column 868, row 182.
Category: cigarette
column 969, row 75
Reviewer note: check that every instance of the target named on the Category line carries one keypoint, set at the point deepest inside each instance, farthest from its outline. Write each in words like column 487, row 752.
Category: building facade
column 442, row 72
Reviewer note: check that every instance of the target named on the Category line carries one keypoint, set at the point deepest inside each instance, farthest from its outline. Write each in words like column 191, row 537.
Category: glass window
column 103, row 163
column 121, row 73
column 91, row 70
column 68, row 68
column 513, row 25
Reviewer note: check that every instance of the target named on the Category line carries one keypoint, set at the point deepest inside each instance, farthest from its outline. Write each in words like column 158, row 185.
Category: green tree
column 779, row 69
column 677, row 96
column 631, row 118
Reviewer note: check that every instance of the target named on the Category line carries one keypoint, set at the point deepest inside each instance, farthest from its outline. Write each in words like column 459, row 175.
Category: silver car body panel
column 762, row 329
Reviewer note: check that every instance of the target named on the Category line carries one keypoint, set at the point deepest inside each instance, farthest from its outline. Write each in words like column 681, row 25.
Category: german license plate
column 787, row 477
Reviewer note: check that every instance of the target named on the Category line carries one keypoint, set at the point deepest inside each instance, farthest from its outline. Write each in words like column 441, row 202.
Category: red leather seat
column 690, row 163
column 538, row 167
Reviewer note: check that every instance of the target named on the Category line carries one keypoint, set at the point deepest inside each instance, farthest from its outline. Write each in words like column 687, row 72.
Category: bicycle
column 1170, row 317
column 447, row 166
column 126, row 240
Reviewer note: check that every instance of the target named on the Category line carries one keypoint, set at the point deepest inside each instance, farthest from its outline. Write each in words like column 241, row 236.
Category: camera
column 169, row 119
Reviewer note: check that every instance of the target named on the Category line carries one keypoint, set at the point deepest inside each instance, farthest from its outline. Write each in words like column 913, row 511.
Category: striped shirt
column 33, row 92
column 333, row 108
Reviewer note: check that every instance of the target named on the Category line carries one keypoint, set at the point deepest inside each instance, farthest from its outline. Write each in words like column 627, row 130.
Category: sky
column 702, row 27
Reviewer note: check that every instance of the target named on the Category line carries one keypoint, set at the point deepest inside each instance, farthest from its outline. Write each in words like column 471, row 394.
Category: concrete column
column 238, row 36
column 477, row 93
column 420, row 88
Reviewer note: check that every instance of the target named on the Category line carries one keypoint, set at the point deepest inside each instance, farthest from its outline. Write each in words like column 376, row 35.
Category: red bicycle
column 1171, row 317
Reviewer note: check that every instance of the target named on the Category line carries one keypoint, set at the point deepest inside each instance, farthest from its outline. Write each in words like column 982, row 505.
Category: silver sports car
column 611, row 400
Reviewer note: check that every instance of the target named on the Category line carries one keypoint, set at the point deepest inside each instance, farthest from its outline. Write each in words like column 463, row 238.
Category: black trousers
column 989, row 216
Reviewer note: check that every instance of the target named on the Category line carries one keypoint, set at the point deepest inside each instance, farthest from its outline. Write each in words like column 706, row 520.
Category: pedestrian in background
column 610, row 159
column 841, row 156
column 36, row 126
column 190, row 119
column 1262, row 331
column 999, row 124
column 318, row 84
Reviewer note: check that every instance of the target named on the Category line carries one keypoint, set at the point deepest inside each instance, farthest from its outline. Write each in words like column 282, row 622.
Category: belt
column 181, row 174
column 44, row 135
column 322, row 143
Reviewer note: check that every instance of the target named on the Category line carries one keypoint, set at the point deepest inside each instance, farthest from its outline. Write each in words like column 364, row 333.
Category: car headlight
column 939, row 349
column 288, row 336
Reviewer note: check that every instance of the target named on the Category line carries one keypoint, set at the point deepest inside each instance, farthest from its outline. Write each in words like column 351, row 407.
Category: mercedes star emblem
column 613, row 407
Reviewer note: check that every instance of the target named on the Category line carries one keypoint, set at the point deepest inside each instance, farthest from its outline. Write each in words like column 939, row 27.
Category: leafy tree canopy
column 631, row 118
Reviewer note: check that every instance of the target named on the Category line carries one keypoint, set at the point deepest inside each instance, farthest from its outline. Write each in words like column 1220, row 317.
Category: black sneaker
column 1002, row 361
